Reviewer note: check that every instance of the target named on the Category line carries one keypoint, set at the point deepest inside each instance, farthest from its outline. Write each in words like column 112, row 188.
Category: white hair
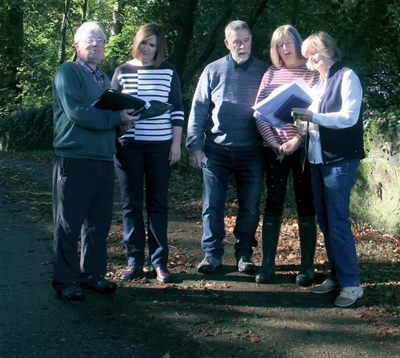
column 87, row 27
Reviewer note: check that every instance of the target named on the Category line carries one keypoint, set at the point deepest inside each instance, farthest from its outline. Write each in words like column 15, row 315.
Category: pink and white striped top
column 273, row 78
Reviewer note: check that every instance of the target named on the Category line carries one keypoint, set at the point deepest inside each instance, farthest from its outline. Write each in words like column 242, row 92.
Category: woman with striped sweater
column 147, row 150
column 282, row 154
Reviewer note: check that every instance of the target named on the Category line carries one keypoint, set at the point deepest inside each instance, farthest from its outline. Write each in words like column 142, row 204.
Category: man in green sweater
column 83, row 171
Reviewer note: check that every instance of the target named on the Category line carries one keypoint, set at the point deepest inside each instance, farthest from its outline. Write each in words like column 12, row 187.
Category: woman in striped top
column 282, row 154
column 147, row 150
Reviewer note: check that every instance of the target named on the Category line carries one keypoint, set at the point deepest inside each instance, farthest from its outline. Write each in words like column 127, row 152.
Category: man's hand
column 196, row 159
column 174, row 153
column 127, row 119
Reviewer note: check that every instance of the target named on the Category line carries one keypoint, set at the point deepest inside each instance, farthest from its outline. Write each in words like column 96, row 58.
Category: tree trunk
column 64, row 27
column 84, row 11
column 83, row 19
column 185, row 35
column 296, row 8
column 12, row 38
column 118, row 21
column 256, row 12
column 209, row 48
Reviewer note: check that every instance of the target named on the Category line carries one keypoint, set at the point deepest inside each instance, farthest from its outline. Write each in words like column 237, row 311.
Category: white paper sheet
column 265, row 109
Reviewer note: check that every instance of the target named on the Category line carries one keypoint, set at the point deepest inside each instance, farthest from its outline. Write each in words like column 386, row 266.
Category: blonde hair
column 324, row 44
column 284, row 30
column 144, row 33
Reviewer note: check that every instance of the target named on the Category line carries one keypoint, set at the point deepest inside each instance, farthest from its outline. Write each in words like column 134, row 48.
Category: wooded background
column 37, row 36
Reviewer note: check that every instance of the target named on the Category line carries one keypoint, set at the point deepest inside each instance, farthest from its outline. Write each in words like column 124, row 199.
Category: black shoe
column 101, row 285
column 305, row 278
column 72, row 292
column 264, row 274
column 132, row 272
column 163, row 275
column 246, row 265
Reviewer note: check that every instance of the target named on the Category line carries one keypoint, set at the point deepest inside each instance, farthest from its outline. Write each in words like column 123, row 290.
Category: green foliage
column 382, row 126
column 367, row 32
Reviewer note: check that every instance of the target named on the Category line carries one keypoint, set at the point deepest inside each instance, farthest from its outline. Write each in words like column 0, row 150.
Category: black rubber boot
column 270, row 236
column 308, row 240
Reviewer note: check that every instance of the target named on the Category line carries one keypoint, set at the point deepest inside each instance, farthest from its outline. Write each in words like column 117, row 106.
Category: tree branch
column 209, row 48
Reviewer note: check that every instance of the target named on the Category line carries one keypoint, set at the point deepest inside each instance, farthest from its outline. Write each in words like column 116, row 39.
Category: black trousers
column 277, row 174
column 135, row 162
column 82, row 207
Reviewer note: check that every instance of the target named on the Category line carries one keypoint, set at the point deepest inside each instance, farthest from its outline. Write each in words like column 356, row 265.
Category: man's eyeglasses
column 91, row 41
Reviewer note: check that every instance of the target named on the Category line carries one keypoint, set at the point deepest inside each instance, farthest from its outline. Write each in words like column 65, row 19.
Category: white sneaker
column 327, row 286
column 348, row 295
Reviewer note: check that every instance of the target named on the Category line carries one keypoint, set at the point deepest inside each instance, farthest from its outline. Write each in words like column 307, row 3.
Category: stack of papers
column 275, row 109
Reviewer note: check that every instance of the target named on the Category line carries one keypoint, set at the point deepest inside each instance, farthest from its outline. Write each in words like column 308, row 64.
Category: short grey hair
column 87, row 27
column 284, row 30
column 235, row 26
column 324, row 44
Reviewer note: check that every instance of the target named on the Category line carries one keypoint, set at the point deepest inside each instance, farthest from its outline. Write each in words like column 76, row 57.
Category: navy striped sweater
column 150, row 83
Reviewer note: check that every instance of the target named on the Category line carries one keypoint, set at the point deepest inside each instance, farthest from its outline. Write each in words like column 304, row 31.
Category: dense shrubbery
column 29, row 130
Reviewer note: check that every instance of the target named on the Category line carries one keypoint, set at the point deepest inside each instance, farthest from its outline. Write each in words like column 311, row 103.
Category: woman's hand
column 276, row 148
column 302, row 114
column 290, row 146
column 174, row 153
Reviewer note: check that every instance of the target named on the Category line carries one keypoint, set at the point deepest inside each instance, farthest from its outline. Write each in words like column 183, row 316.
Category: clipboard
column 117, row 101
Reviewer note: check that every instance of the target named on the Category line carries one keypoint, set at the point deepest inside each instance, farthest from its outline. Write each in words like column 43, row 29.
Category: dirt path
column 221, row 315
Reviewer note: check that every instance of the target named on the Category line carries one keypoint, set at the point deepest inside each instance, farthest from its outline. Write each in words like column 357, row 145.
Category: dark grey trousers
column 82, row 208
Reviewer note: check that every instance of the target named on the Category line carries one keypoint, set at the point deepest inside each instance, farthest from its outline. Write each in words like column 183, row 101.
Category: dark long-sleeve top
column 80, row 130
column 222, row 105
column 151, row 83
column 274, row 78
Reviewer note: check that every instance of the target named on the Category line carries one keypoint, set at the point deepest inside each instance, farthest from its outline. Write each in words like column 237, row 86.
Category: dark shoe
column 132, row 272
column 264, row 274
column 73, row 292
column 305, row 278
column 246, row 265
column 308, row 240
column 101, row 285
column 163, row 275
column 209, row 264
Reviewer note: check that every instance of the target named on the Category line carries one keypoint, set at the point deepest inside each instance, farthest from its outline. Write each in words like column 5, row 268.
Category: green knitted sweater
column 81, row 131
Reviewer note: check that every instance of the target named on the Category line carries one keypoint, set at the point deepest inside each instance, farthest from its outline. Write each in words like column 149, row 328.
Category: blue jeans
column 218, row 166
column 332, row 186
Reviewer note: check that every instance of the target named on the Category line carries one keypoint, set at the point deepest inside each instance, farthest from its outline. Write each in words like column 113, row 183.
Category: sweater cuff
column 116, row 118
